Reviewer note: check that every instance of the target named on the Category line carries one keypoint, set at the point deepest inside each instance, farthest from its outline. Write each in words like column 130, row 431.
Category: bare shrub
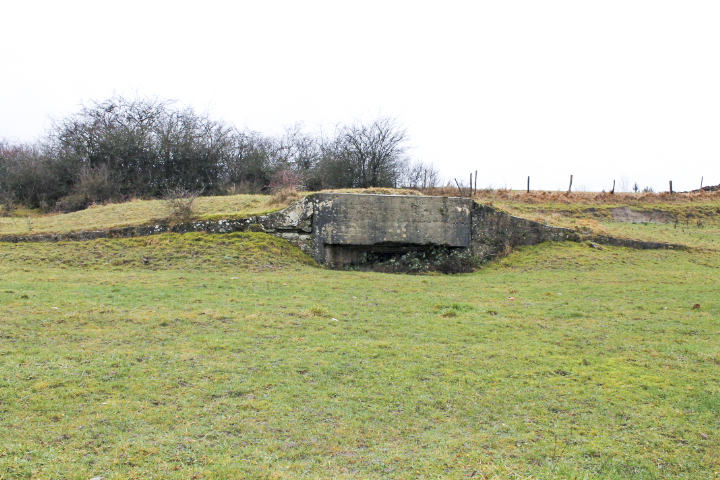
column 72, row 203
column 286, row 180
column 95, row 183
column 92, row 185
column 624, row 184
column 284, row 196
column 420, row 175
column 179, row 202
column 244, row 187
column 7, row 202
column 365, row 154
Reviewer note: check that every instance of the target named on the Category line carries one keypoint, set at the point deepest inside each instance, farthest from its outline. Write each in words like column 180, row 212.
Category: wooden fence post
column 671, row 186
column 570, row 187
column 528, row 189
column 612, row 192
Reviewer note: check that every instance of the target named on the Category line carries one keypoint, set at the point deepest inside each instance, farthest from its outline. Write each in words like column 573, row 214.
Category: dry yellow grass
column 377, row 191
column 535, row 197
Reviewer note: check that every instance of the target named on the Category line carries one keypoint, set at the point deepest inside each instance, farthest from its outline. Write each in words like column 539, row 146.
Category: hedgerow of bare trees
column 141, row 147
column 29, row 175
column 121, row 148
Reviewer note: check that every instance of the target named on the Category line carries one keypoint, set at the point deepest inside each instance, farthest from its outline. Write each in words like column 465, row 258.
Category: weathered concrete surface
column 352, row 220
column 338, row 229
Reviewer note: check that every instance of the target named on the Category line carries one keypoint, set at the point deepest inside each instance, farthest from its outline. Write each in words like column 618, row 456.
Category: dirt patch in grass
column 628, row 215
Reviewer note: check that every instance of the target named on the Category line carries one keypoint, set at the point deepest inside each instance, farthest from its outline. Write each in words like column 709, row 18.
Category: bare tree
column 249, row 165
column 624, row 184
column 362, row 155
column 421, row 175
column 296, row 150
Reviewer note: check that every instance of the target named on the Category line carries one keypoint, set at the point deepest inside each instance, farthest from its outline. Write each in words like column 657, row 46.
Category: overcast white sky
column 598, row 89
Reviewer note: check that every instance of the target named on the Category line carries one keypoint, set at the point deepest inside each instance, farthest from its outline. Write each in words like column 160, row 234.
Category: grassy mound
column 135, row 213
column 685, row 218
column 191, row 251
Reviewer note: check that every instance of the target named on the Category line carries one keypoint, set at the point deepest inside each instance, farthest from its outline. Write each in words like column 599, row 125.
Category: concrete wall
column 346, row 225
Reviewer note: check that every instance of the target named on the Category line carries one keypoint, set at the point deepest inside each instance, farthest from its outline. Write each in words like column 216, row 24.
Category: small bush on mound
column 179, row 202
column 97, row 184
column 92, row 186
column 7, row 203
column 437, row 259
column 285, row 195
column 72, row 203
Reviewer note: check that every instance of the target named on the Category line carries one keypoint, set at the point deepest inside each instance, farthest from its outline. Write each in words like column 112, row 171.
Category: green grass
column 203, row 356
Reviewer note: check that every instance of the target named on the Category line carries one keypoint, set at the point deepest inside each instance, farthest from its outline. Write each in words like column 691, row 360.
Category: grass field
column 234, row 356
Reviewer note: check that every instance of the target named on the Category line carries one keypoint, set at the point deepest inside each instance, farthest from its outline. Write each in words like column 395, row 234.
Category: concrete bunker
column 338, row 229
